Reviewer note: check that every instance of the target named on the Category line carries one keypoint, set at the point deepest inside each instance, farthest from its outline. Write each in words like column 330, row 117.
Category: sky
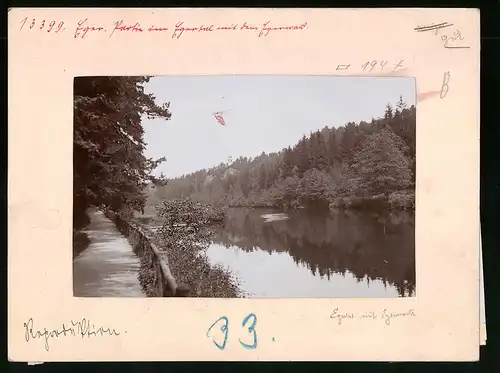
column 263, row 113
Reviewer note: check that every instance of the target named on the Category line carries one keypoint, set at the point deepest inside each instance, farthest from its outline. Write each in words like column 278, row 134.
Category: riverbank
column 181, row 231
column 403, row 200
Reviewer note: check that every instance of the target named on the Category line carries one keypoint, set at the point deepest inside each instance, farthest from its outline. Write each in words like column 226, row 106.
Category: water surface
column 318, row 254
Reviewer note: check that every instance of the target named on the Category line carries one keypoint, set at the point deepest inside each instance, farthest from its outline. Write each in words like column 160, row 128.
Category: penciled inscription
column 445, row 87
column 386, row 316
column 83, row 328
column 375, row 66
column 450, row 36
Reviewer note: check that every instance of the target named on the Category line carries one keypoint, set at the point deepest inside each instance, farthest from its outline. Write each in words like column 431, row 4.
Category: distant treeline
column 357, row 165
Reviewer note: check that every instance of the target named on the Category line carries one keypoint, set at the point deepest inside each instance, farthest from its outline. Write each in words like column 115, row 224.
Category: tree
column 289, row 190
column 314, row 187
column 263, row 176
column 388, row 112
column 287, row 163
column 349, row 140
column 381, row 164
column 401, row 104
column 110, row 168
column 333, row 151
column 302, row 151
column 318, row 153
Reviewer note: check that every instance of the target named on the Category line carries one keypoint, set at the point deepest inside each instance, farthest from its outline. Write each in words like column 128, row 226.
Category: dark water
column 312, row 254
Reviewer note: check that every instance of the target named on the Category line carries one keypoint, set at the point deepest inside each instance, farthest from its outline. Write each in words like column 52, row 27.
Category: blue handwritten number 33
column 225, row 329
column 251, row 329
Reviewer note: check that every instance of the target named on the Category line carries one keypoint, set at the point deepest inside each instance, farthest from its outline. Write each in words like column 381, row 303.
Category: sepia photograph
column 244, row 186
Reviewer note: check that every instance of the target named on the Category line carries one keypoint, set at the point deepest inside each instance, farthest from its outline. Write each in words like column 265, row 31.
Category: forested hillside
column 357, row 165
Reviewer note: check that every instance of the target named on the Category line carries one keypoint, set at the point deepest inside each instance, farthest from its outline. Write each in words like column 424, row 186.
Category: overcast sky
column 264, row 113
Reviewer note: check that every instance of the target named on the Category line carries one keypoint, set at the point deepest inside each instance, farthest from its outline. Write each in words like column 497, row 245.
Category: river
column 303, row 253
column 318, row 254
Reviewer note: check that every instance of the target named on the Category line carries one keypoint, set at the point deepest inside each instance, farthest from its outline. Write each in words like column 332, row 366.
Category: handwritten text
column 445, row 87
column 385, row 316
column 84, row 28
column 83, row 328
column 451, row 40
column 224, row 328
column 47, row 26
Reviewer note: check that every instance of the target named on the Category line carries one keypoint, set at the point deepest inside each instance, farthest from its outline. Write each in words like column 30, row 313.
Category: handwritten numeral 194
column 370, row 65
column 225, row 329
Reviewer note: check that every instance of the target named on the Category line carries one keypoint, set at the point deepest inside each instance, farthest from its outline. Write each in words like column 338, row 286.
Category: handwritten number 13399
column 249, row 322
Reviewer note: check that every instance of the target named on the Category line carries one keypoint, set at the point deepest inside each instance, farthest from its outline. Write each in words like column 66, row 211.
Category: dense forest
column 109, row 165
column 365, row 164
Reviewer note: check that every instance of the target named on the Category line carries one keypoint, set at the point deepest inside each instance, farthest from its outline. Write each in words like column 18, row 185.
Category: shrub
column 402, row 200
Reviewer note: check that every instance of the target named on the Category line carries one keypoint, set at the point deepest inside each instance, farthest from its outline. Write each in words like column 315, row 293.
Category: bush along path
column 185, row 234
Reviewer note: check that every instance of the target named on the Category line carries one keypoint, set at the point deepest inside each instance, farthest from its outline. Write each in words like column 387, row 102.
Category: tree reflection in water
column 369, row 246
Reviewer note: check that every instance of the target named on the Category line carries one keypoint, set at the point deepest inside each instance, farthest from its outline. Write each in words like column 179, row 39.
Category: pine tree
column 388, row 112
column 302, row 151
column 287, row 163
column 321, row 153
column 333, row 151
column 399, row 114
column 382, row 164
column 401, row 104
column 314, row 187
column 110, row 168
column 349, row 140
